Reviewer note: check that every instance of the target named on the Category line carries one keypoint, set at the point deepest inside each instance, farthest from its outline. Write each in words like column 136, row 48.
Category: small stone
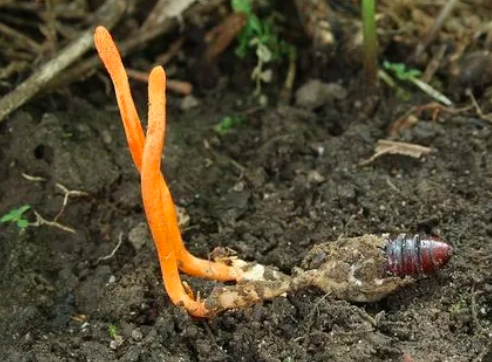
column 189, row 102
column 316, row 93
column 315, row 177
column 238, row 187
column 116, row 343
column 139, row 235
column 137, row 334
column 106, row 137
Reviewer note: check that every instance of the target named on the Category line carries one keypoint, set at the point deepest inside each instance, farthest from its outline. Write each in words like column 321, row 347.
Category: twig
column 404, row 122
column 173, row 50
column 286, row 93
column 434, row 64
column 18, row 66
column 475, row 105
column 390, row 82
column 177, row 86
column 386, row 147
column 440, row 20
column 107, row 15
column 67, row 193
column 392, row 185
column 222, row 35
column 113, row 252
column 163, row 10
column 26, row 42
column 431, row 91
column 42, row 221
column 33, row 178
column 127, row 46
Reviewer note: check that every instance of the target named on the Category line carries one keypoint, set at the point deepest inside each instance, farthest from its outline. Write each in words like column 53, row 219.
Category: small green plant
column 461, row 303
column 260, row 36
column 227, row 123
column 412, row 75
column 113, row 331
column 401, row 71
column 370, row 54
column 16, row 216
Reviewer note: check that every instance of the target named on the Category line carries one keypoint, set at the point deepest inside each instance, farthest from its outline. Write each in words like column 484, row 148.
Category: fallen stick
column 387, row 147
column 108, row 14
column 177, row 86
column 129, row 45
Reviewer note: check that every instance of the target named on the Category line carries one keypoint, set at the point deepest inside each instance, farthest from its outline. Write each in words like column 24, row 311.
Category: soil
column 270, row 189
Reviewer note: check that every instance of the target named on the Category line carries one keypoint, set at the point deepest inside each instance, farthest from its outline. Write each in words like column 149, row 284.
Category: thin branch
column 23, row 40
column 136, row 41
column 42, row 221
column 387, row 147
column 67, row 194
column 438, row 23
column 113, row 252
column 107, row 15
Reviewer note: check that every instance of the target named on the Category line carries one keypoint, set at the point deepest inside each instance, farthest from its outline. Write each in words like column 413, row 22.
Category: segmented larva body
column 415, row 255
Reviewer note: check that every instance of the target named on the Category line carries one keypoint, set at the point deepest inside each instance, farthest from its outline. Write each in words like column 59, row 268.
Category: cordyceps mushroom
column 164, row 231
column 361, row 269
column 187, row 263
column 158, row 203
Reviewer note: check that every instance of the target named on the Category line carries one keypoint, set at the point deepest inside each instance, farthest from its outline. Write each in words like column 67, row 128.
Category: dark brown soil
column 270, row 189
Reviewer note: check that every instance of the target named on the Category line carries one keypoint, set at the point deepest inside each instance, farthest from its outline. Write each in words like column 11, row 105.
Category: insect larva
column 415, row 255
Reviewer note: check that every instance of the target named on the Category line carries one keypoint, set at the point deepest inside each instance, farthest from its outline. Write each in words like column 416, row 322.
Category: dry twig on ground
column 386, row 147
column 108, row 14
column 136, row 41
column 177, row 86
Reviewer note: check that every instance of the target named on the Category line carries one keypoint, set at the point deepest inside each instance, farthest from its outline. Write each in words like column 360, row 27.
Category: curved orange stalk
column 111, row 58
column 187, row 262
column 164, row 233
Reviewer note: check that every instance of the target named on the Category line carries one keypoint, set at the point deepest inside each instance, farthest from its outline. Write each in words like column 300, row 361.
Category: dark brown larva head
column 415, row 255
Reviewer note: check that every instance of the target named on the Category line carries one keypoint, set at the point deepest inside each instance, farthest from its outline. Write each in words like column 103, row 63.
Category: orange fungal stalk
column 166, row 236
column 186, row 262
column 255, row 282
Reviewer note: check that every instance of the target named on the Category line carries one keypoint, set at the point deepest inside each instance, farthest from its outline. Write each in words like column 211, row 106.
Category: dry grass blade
column 386, row 147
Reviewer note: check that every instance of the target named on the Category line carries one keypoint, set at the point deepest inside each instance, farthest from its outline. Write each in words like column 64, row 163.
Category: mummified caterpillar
column 415, row 255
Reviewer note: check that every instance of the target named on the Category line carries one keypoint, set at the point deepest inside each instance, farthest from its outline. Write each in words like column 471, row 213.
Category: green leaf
column 7, row 217
column 22, row 224
column 14, row 214
column 227, row 123
column 254, row 23
column 242, row 6
column 23, row 209
column 401, row 71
